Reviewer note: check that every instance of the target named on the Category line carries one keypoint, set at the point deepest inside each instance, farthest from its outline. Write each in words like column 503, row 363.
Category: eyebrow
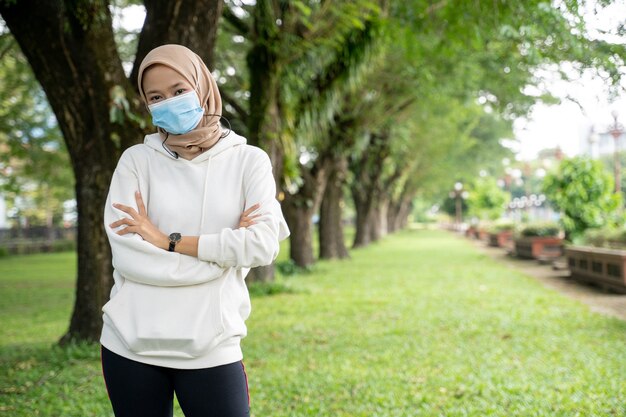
column 170, row 88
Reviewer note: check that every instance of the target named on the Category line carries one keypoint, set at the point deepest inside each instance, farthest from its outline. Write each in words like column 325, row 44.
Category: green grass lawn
column 421, row 324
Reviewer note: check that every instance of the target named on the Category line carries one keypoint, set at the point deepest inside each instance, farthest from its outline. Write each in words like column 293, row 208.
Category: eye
column 155, row 98
column 180, row 91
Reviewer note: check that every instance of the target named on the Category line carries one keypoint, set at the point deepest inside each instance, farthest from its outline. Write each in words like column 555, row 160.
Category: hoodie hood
column 232, row 139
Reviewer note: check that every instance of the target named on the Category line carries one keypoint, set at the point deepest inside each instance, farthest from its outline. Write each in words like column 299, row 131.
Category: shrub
column 608, row 237
column 64, row 245
column 502, row 227
column 582, row 191
column 541, row 230
column 486, row 200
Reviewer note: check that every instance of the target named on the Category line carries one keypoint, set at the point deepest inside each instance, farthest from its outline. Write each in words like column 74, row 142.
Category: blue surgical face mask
column 177, row 115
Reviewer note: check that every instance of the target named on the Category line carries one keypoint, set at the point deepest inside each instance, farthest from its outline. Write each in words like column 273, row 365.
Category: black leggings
column 137, row 389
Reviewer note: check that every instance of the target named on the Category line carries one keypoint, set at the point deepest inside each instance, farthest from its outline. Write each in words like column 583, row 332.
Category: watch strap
column 174, row 239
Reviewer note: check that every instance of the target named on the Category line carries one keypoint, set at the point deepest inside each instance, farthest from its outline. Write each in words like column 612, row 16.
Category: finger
column 248, row 219
column 251, row 209
column 140, row 205
column 247, row 223
column 126, row 209
column 245, row 213
column 118, row 223
column 125, row 220
column 126, row 230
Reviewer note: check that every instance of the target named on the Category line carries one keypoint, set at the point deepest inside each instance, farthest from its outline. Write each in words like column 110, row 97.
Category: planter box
column 501, row 239
column 483, row 234
column 601, row 266
column 535, row 247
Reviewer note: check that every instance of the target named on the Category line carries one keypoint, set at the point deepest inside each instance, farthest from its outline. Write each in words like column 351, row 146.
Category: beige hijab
column 192, row 68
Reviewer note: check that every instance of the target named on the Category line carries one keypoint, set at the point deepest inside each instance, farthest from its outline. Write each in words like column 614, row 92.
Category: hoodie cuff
column 209, row 248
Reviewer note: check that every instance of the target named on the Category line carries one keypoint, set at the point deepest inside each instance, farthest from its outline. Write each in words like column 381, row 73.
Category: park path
column 598, row 300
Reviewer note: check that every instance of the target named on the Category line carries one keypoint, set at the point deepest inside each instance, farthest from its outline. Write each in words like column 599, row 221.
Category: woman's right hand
column 247, row 218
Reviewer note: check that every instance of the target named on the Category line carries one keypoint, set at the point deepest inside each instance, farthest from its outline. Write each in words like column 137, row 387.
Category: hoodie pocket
column 180, row 322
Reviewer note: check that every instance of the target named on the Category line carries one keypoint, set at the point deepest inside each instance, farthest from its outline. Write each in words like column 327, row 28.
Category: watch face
column 175, row 237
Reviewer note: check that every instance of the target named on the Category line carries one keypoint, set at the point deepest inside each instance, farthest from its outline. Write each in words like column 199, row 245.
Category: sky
column 568, row 124
column 585, row 103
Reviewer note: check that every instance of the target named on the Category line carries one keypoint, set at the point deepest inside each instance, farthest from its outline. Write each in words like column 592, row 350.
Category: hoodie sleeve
column 258, row 244
column 141, row 261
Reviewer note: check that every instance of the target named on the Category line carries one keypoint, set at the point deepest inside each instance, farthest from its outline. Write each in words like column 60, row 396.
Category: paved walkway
column 597, row 299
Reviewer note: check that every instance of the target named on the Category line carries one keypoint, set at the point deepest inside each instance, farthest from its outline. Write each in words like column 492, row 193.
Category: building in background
column 601, row 142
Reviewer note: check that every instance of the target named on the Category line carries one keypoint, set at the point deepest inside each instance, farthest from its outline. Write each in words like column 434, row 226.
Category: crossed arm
column 140, row 223
column 139, row 248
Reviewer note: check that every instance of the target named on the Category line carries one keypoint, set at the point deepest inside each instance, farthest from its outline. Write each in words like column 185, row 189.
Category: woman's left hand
column 140, row 223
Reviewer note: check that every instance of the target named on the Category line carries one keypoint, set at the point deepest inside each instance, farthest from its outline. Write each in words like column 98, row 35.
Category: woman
column 177, row 311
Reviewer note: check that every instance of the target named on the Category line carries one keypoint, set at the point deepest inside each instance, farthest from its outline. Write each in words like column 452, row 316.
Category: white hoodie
column 174, row 310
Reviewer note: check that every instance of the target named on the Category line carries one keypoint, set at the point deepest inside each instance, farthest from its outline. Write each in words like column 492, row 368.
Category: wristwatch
column 174, row 239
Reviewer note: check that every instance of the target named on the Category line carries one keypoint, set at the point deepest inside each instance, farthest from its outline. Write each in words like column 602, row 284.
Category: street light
column 459, row 195
column 616, row 130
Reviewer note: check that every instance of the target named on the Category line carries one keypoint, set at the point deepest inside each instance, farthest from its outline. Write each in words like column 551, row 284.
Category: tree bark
column 405, row 211
column 392, row 216
column 73, row 55
column 378, row 218
column 190, row 23
column 264, row 120
column 400, row 209
column 367, row 185
column 363, row 208
column 331, row 238
column 299, row 209
column 300, row 224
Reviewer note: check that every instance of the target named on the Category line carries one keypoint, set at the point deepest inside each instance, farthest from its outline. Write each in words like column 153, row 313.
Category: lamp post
column 616, row 130
column 459, row 195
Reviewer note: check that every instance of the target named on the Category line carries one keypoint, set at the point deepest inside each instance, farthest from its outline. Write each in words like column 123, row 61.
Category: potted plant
column 539, row 241
column 501, row 235
column 600, row 258
column 472, row 231
column 483, row 231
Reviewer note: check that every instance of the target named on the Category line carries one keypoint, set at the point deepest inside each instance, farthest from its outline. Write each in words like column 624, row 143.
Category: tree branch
column 189, row 23
column 236, row 22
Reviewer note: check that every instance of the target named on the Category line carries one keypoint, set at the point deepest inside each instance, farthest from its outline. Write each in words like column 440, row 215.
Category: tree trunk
column 331, row 239
column 400, row 209
column 265, row 273
column 73, row 55
column 264, row 122
column 378, row 219
column 405, row 212
column 363, row 208
column 94, row 255
column 190, row 23
column 392, row 216
column 300, row 207
column 300, row 224
column 367, row 185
